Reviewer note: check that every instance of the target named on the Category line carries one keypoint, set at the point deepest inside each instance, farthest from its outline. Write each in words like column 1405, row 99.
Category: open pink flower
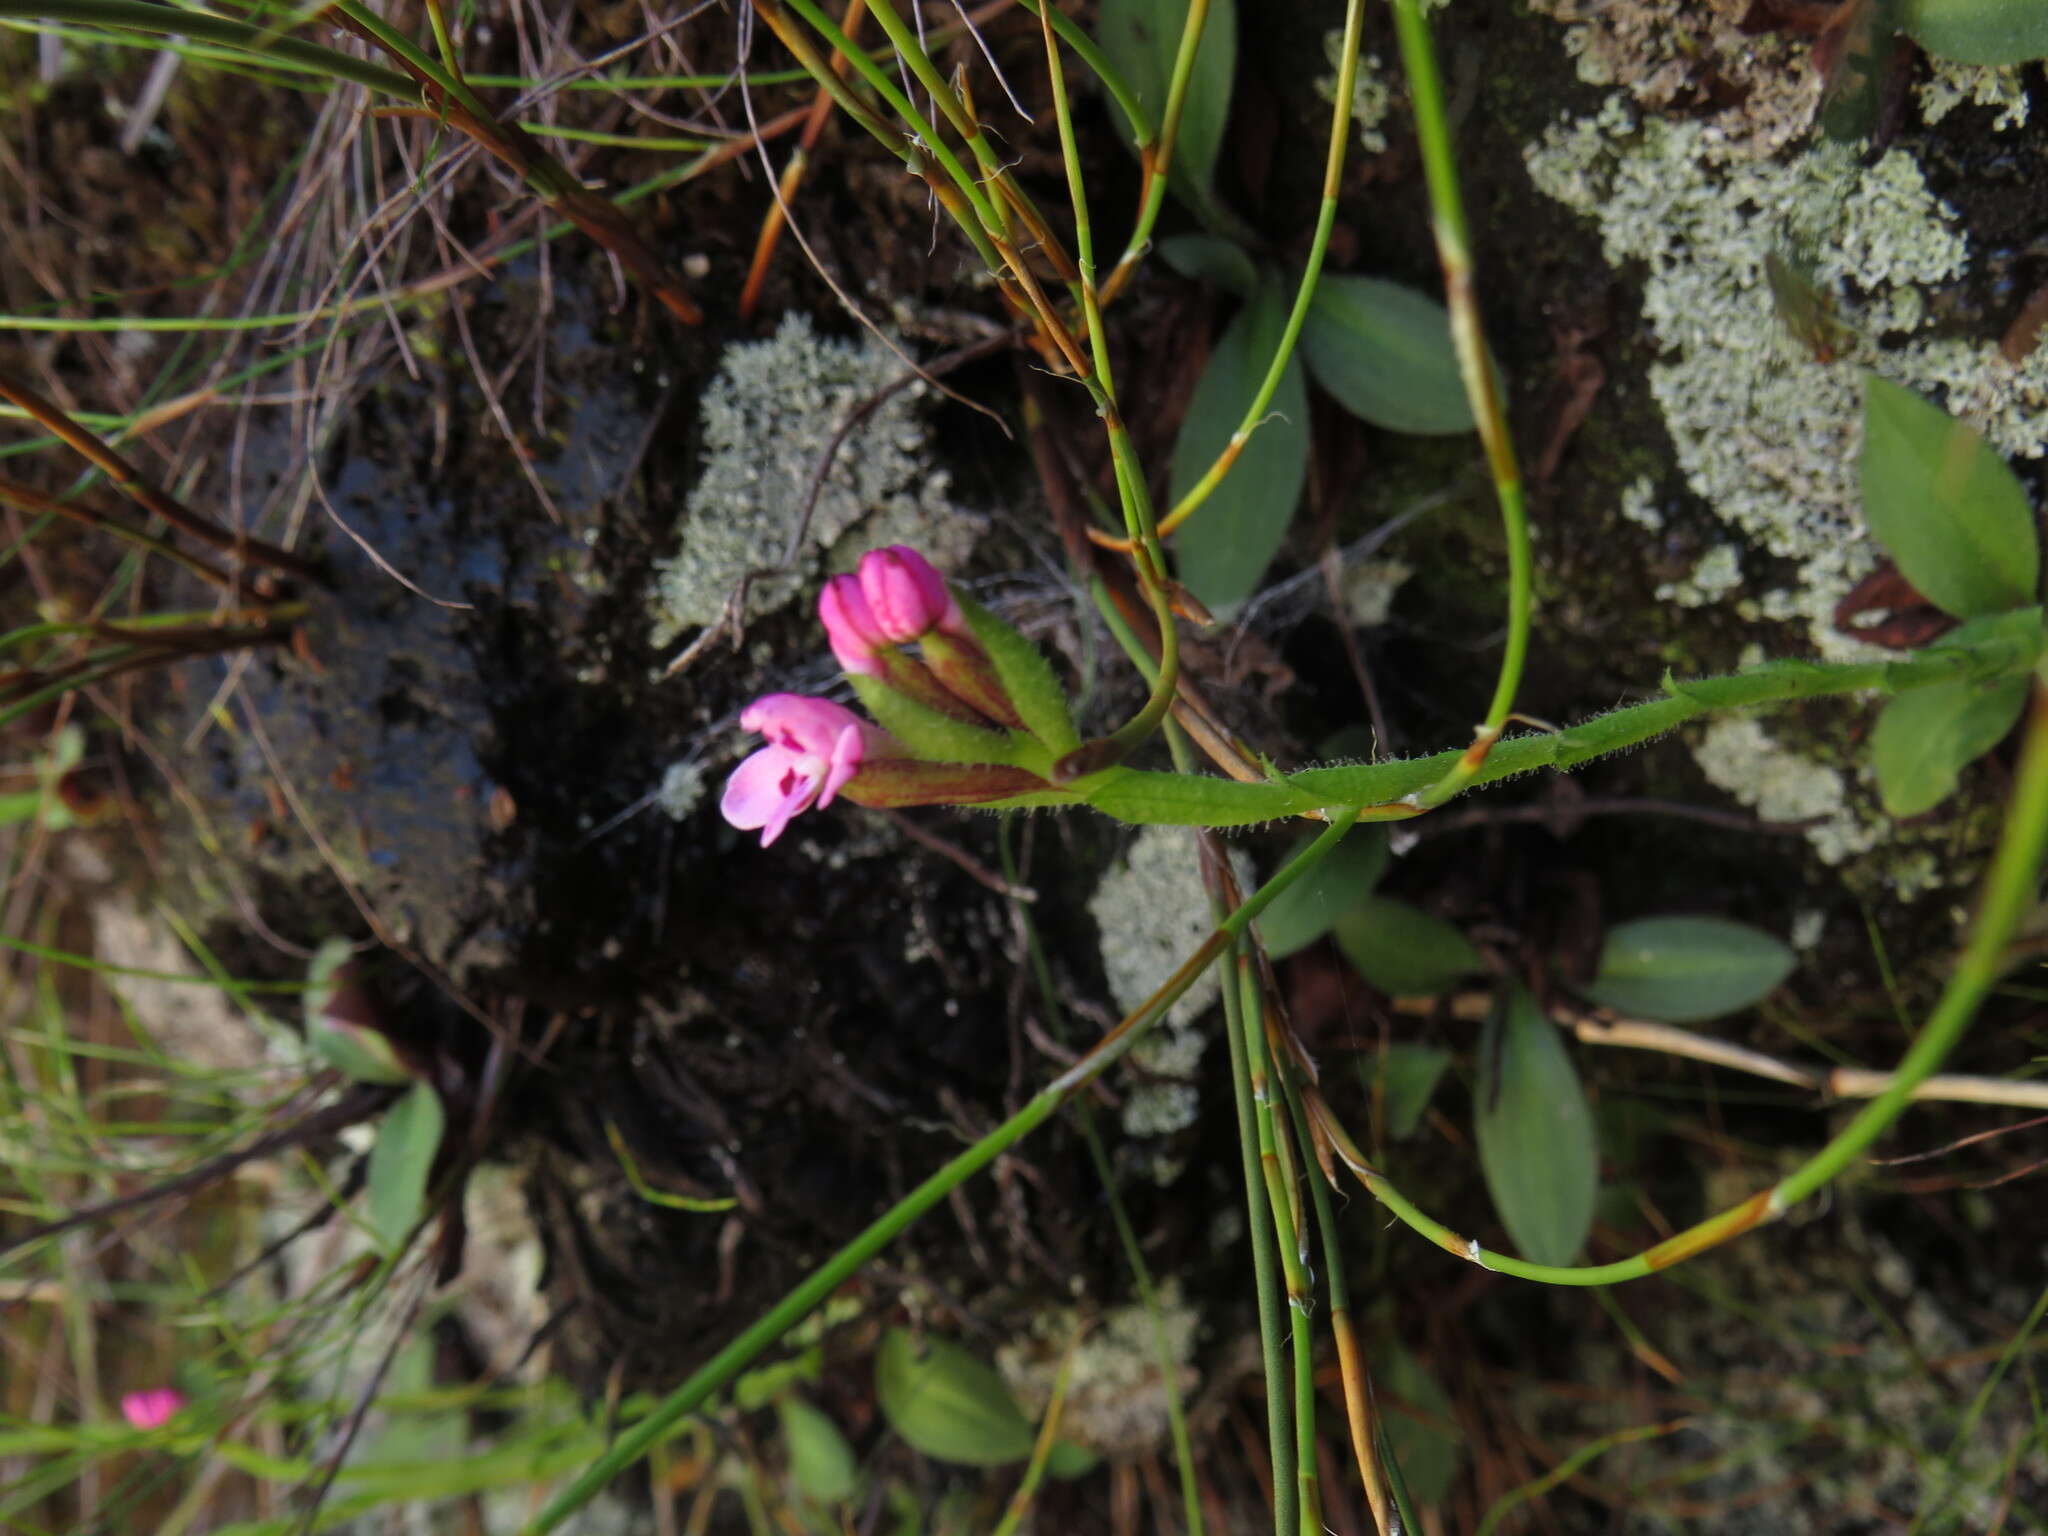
column 850, row 626
column 814, row 748
column 906, row 595
column 152, row 1409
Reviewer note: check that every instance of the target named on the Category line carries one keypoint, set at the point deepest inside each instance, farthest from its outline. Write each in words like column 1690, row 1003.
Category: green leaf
column 1949, row 510
column 948, row 1404
column 1404, row 951
column 1145, row 798
column 1980, row 31
column 1409, row 1075
column 1684, row 969
column 1310, row 907
column 1211, row 259
column 1232, row 537
column 1926, row 737
column 1535, row 1133
column 938, row 738
column 1384, row 353
column 821, row 1463
column 1067, row 1461
column 1428, row 1457
column 357, row 1048
column 400, row 1162
column 1141, row 38
column 1027, row 677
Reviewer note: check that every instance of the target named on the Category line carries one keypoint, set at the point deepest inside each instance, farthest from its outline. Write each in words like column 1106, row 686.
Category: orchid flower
column 814, row 749
column 152, row 1409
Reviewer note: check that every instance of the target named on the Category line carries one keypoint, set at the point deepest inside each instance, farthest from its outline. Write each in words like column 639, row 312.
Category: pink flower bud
column 152, row 1409
column 850, row 627
column 814, row 749
column 906, row 595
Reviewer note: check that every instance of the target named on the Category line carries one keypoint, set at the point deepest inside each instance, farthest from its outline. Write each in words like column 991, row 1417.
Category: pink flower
column 814, row 748
column 850, row 626
column 152, row 1409
column 907, row 597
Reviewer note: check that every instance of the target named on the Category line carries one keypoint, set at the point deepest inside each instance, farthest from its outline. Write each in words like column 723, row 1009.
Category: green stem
column 2008, row 897
column 1304, row 293
column 720, row 1369
column 1283, row 1194
column 1482, row 386
column 1279, row 1412
column 885, row 86
column 1100, row 66
column 1391, row 790
column 1105, row 1172
column 165, row 20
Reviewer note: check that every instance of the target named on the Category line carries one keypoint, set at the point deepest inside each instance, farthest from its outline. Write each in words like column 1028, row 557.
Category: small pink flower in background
column 152, row 1409
column 850, row 626
column 814, row 748
column 907, row 595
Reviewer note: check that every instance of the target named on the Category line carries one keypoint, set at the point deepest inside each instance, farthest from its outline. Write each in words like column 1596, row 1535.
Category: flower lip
column 814, row 748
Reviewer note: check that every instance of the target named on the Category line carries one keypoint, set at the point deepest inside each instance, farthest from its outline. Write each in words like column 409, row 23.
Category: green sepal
column 1027, row 677
column 938, row 738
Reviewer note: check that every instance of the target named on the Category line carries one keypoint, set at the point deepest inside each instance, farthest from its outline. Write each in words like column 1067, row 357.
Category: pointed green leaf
column 1067, row 1461
column 1684, row 969
column 1926, row 737
column 1427, row 1454
column 1027, row 677
column 1384, row 353
column 940, row 738
column 400, row 1163
column 1404, row 951
column 1142, row 39
column 1232, row 537
column 821, row 1463
column 1409, row 1075
column 948, row 1404
column 1535, row 1133
column 1946, row 507
column 1980, row 31
column 1211, row 259
column 1310, row 907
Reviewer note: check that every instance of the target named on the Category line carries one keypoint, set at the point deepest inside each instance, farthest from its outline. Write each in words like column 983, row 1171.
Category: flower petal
column 767, row 789
column 847, row 753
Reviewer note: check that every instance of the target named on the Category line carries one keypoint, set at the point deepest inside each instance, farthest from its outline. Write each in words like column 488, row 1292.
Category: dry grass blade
column 598, row 217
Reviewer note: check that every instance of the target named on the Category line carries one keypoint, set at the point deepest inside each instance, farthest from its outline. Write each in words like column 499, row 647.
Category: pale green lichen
column 768, row 417
column 1765, row 433
column 1949, row 85
column 1373, row 92
column 1152, row 912
column 1718, row 573
column 1666, row 53
column 1639, row 504
column 1116, row 1402
column 1369, row 589
column 1781, row 785
column 681, row 789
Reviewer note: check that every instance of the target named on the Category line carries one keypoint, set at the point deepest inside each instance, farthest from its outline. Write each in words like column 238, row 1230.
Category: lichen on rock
column 1766, row 432
column 768, row 418
column 1116, row 1402
column 1782, row 785
column 1152, row 913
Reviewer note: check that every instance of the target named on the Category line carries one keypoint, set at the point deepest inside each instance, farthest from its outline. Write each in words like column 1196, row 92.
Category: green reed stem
column 1265, row 1264
column 1482, row 385
column 166, row 20
column 1283, row 1199
column 1305, row 291
column 752, row 1341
